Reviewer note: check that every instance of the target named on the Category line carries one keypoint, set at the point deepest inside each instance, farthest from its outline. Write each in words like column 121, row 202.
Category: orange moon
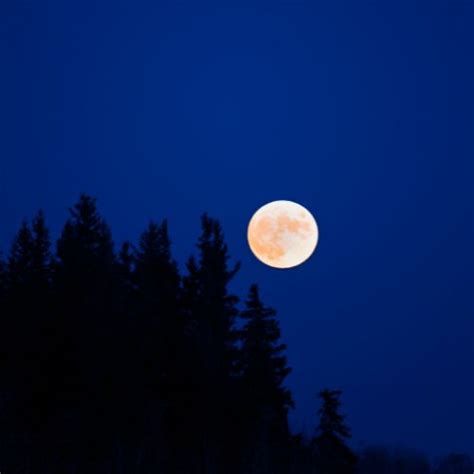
column 283, row 234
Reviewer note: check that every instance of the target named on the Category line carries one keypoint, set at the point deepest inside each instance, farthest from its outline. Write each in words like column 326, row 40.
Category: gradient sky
column 359, row 110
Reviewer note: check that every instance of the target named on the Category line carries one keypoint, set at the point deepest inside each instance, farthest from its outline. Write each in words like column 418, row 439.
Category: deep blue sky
column 361, row 111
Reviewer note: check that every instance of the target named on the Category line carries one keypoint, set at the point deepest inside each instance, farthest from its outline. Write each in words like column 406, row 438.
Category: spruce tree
column 88, row 329
column 28, row 330
column 20, row 295
column 332, row 455
column 3, row 321
column 20, row 262
column 211, row 312
column 161, row 329
column 157, row 285
column 156, row 272
column 85, row 251
column 264, row 368
column 3, row 285
column 41, row 254
column 216, row 308
column 263, row 363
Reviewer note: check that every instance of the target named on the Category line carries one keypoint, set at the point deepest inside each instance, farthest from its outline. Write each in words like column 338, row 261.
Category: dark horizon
column 360, row 112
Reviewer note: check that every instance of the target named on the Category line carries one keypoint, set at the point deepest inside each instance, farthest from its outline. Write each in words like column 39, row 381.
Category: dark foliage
column 330, row 452
column 263, row 369
column 115, row 363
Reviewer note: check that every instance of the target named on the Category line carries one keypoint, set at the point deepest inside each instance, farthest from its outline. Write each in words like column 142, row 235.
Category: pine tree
column 3, row 326
column 88, row 332
column 85, row 250
column 216, row 311
column 263, row 365
column 20, row 283
column 156, row 272
column 263, row 371
column 331, row 453
column 157, row 284
column 41, row 254
column 161, row 328
column 3, row 283
column 331, row 421
column 211, row 312
column 20, row 262
column 28, row 329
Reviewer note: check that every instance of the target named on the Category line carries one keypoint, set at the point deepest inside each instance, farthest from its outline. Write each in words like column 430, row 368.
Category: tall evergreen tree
column 41, row 254
column 216, row 311
column 89, row 329
column 331, row 453
column 3, row 318
column 27, row 330
column 3, row 288
column 156, row 272
column 20, row 284
column 263, row 370
column 20, row 262
column 211, row 311
column 331, row 421
column 158, row 285
column 85, row 251
column 263, row 363
column 3, row 277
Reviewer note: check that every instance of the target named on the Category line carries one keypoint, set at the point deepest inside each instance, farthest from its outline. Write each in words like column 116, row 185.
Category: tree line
column 115, row 362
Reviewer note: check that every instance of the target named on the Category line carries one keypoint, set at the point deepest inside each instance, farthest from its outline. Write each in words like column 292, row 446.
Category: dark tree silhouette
column 3, row 326
column 88, row 371
column 211, row 311
column 331, row 453
column 41, row 255
column 27, row 330
column 331, row 422
column 263, row 370
column 160, row 329
column 115, row 363
column 157, row 285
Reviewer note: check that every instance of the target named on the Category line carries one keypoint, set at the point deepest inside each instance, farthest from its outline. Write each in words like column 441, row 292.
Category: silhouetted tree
column 27, row 331
column 86, row 286
column 263, row 370
column 3, row 329
column 41, row 254
column 161, row 331
column 216, row 309
column 211, row 311
column 331, row 453
column 20, row 260
column 85, row 252
column 3, row 292
column 116, row 364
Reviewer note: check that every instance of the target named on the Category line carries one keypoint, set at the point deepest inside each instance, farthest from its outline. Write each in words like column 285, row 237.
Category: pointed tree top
column 331, row 420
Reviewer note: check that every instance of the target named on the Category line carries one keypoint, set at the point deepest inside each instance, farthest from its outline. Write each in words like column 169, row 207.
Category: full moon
column 283, row 234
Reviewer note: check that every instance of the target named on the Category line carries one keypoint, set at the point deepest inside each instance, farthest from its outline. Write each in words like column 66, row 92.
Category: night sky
column 361, row 111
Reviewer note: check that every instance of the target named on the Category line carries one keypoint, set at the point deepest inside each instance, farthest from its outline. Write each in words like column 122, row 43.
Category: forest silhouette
column 114, row 362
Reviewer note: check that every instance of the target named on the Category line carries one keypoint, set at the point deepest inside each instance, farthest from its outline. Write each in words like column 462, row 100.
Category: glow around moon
column 283, row 234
